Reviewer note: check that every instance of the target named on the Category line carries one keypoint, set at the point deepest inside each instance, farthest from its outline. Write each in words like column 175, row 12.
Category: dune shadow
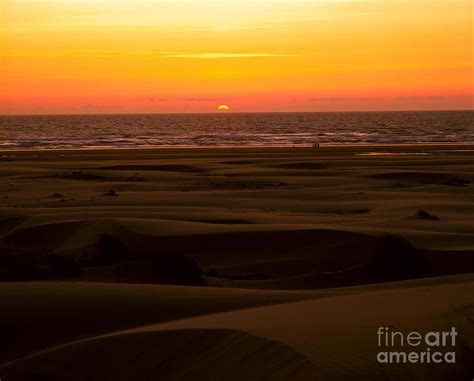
column 162, row 167
column 424, row 178
column 301, row 166
column 239, row 162
column 185, row 354
column 224, row 221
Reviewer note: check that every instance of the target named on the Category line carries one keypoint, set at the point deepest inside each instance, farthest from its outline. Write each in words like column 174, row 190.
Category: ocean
column 234, row 129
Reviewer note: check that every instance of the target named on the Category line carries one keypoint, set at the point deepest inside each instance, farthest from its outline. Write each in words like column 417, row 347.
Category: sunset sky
column 111, row 56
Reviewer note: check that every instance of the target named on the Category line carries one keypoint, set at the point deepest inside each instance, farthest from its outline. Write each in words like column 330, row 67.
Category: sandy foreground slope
column 82, row 231
column 329, row 338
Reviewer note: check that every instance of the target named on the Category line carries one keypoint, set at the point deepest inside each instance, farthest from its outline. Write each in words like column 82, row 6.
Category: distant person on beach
column 316, row 145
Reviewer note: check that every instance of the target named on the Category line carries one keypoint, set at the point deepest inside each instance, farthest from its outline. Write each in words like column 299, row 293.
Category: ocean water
column 234, row 129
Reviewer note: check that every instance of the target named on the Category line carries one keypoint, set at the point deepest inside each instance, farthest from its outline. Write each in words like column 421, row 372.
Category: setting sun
column 223, row 108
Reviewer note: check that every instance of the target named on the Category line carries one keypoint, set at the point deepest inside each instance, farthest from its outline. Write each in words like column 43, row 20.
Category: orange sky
column 108, row 56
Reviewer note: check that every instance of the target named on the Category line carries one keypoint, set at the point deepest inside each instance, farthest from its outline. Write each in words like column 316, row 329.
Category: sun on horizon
column 223, row 107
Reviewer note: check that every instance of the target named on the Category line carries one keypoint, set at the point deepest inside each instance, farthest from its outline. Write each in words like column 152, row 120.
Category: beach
column 181, row 262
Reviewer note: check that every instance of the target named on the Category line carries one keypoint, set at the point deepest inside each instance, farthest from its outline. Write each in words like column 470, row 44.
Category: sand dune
column 179, row 252
column 343, row 348
column 239, row 214
column 261, row 263
column 311, row 339
column 37, row 315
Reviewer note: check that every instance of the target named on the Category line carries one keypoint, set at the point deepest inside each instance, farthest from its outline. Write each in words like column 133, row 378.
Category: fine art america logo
column 415, row 347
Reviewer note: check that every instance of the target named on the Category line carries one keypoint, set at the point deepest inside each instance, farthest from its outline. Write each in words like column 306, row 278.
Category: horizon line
column 230, row 112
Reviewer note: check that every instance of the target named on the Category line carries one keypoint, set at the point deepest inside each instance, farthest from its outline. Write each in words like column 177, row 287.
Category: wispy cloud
column 140, row 54
column 327, row 99
column 396, row 99
column 197, row 99
column 89, row 53
column 332, row 16
column 226, row 55
column 227, row 29
column 340, row 99
column 433, row 97
column 153, row 99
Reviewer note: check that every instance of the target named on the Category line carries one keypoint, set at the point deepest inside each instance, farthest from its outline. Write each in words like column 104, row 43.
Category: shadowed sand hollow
column 189, row 354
